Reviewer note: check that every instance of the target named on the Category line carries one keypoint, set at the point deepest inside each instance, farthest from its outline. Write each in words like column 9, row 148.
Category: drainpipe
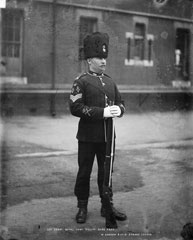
column 53, row 54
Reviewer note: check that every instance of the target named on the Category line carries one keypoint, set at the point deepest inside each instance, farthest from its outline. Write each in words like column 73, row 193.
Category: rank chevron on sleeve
column 74, row 98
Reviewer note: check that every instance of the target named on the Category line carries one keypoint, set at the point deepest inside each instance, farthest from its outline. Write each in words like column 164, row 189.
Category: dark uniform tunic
column 90, row 94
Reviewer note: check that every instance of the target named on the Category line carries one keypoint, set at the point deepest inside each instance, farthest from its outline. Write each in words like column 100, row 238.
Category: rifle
column 108, row 168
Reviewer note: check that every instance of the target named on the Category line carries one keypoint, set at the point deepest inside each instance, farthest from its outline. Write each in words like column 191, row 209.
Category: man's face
column 97, row 65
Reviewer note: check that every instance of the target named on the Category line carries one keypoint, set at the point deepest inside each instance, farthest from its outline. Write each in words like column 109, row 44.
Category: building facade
column 150, row 51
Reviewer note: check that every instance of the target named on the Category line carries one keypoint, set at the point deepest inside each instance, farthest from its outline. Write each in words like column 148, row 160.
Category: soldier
column 89, row 100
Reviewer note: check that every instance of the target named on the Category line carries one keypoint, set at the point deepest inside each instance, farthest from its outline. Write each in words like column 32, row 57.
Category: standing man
column 91, row 95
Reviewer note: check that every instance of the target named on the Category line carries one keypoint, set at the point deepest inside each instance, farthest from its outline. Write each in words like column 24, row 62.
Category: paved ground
column 59, row 133
column 154, row 184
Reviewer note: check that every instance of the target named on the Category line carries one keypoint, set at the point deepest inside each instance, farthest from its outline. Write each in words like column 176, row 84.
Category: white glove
column 115, row 110
column 107, row 113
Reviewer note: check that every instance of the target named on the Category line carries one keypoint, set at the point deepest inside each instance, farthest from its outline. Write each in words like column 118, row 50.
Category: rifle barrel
column 112, row 152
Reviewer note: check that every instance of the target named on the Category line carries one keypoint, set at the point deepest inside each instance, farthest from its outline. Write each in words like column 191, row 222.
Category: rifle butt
column 110, row 220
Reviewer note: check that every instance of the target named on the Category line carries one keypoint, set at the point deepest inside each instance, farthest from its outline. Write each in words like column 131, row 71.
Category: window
column 87, row 25
column 139, row 41
column 150, row 39
column 11, row 33
column 139, row 46
column 183, row 48
column 129, row 37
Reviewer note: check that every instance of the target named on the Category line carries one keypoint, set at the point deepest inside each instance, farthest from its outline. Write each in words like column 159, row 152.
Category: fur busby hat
column 187, row 231
column 96, row 45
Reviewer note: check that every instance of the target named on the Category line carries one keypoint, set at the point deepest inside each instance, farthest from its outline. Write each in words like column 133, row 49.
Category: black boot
column 118, row 215
column 81, row 216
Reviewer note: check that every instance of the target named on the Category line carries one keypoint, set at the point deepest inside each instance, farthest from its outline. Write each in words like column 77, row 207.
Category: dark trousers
column 86, row 154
